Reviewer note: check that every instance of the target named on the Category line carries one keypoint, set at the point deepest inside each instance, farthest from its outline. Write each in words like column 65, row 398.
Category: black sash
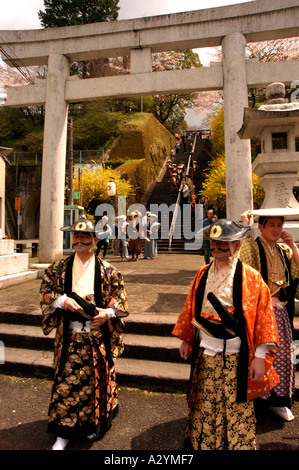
column 264, row 272
column 242, row 371
column 98, row 302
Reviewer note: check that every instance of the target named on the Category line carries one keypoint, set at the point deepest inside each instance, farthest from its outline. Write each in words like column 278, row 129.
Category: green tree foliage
column 21, row 129
column 214, row 186
column 73, row 12
column 96, row 129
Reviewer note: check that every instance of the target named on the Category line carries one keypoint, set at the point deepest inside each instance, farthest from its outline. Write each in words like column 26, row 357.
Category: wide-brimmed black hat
column 81, row 225
column 225, row 230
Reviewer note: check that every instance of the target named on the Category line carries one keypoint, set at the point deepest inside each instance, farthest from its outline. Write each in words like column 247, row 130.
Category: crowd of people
column 178, row 174
column 236, row 325
column 236, row 329
column 135, row 235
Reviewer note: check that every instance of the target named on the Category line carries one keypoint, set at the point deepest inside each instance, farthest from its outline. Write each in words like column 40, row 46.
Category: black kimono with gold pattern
column 84, row 396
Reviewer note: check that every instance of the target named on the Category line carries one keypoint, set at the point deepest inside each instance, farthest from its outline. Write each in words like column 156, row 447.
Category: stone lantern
column 276, row 124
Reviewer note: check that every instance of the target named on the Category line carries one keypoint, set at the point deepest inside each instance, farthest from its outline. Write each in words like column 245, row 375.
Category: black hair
column 263, row 219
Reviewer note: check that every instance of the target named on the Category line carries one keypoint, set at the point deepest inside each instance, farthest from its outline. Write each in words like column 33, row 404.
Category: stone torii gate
column 230, row 27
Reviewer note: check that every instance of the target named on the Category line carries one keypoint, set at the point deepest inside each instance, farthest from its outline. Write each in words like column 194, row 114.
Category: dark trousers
column 206, row 250
column 99, row 245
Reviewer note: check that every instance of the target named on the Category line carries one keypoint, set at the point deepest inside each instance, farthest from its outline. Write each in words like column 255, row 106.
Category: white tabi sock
column 60, row 443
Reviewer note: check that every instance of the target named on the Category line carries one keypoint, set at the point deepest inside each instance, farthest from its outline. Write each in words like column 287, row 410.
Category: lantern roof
column 255, row 121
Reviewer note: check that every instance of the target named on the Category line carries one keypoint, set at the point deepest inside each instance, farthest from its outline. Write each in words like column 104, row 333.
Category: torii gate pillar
column 239, row 195
column 54, row 160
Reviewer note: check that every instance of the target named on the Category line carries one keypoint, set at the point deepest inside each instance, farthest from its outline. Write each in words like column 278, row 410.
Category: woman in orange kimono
column 232, row 349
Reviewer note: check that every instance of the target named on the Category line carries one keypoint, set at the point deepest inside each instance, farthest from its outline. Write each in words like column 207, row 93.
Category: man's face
column 221, row 250
column 272, row 229
column 83, row 242
column 210, row 215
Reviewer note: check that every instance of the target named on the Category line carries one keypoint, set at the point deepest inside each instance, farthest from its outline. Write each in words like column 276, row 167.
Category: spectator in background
column 121, row 246
column 206, row 243
column 103, row 234
column 151, row 241
column 185, row 192
column 136, row 234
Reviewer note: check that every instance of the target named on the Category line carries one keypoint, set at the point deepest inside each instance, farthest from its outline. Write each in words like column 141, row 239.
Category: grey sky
column 22, row 14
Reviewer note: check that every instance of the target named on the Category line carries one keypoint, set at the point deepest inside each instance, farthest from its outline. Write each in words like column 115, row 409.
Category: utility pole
column 70, row 160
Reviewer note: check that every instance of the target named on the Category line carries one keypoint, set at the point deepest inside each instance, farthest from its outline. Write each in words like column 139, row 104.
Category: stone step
column 149, row 324
column 162, row 348
column 150, row 359
column 16, row 314
column 18, row 278
column 144, row 374
column 26, row 337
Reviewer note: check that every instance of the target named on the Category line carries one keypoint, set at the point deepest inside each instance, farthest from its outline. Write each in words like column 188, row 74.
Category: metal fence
column 79, row 157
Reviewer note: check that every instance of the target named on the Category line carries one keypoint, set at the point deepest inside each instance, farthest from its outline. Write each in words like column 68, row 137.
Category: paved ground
column 157, row 286
column 147, row 421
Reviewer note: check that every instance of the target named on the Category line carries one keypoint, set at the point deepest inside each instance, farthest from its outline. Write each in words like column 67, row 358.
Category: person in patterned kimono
column 228, row 329
column 279, row 265
column 84, row 299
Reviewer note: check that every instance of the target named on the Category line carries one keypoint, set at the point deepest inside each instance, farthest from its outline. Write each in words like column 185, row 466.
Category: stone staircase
column 161, row 194
column 150, row 360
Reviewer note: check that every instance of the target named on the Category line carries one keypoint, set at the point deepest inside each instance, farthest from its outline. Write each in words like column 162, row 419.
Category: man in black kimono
column 84, row 298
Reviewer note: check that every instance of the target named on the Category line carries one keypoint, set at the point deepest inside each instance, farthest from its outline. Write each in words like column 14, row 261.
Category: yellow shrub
column 93, row 183
column 214, row 187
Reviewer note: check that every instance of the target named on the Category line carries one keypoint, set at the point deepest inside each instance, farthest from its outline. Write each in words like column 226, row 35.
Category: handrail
column 177, row 204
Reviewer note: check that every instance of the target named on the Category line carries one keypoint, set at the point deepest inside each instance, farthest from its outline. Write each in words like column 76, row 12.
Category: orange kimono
column 259, row 323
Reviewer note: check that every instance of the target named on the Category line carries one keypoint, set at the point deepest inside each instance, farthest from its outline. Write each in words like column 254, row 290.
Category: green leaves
column 72, row 12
